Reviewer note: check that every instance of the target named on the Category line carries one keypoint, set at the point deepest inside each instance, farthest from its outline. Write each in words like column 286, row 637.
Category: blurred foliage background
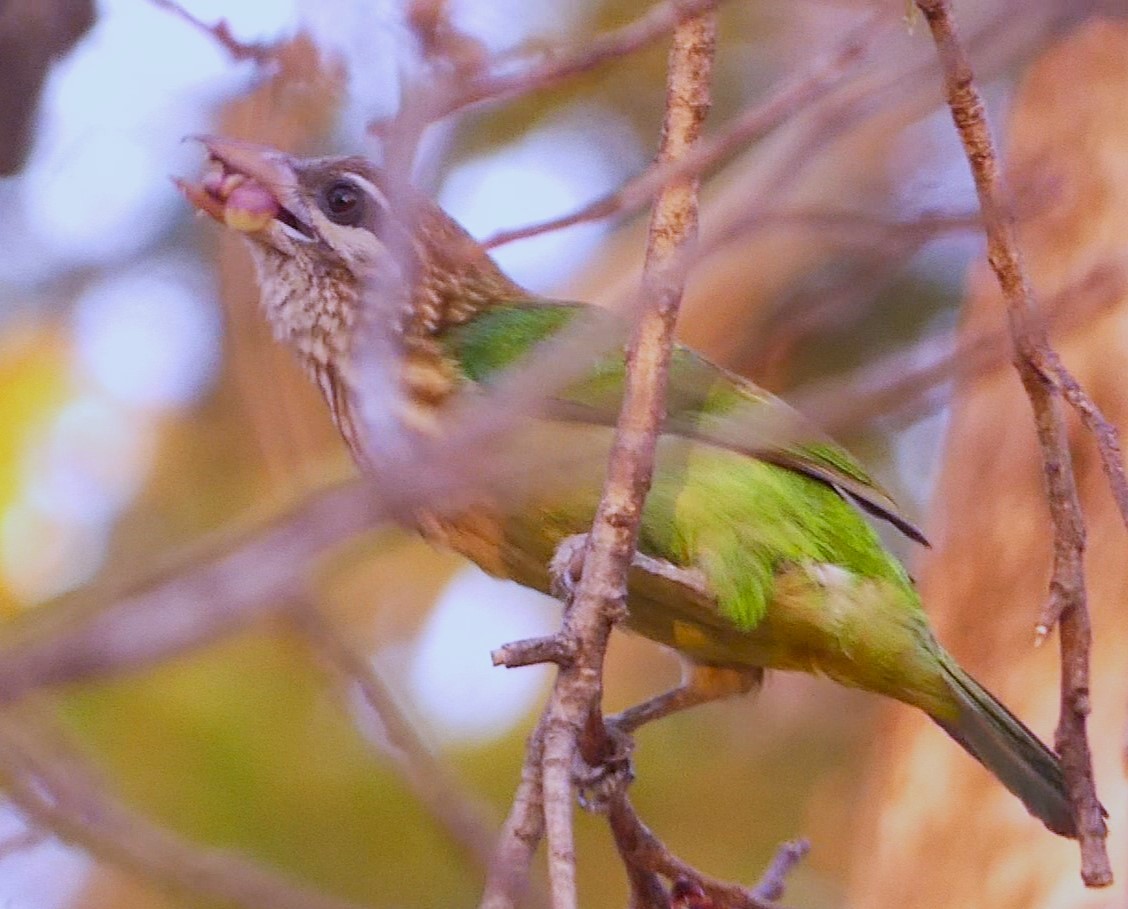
column 144, row 406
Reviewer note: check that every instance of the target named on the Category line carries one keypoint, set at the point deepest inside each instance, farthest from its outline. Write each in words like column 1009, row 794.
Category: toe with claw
column 567, row 565
column 613, row 771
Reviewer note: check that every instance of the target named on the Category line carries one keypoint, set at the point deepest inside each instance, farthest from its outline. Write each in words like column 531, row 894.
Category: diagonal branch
column 210, row 594
column 508, row 877
column 508, row 79
column 640, row 848
column 1043, row 376
column 464, row 819
column 796, row 95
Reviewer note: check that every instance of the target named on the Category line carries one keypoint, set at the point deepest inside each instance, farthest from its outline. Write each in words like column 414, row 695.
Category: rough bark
column 940, row 832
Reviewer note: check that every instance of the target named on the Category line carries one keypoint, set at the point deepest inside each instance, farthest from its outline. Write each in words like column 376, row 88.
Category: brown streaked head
column 321, row 229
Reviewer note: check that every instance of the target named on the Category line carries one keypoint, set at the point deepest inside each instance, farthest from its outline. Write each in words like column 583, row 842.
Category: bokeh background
column 143, row 406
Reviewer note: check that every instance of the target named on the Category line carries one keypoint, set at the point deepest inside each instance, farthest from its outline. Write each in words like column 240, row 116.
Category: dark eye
column 343, row 203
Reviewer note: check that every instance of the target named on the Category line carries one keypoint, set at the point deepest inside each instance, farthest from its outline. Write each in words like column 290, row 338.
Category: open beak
column 248, row 187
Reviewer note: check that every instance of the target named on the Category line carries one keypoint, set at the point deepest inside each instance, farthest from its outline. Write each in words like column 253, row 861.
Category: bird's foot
column 613, row 772
column 566, row 566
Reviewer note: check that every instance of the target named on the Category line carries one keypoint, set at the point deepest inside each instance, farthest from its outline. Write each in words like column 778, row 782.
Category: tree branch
column 600, row 598
column 508, row 78
column 1043, row 376
column 788, row 100
column 642, row 849
column 508, row 877
column 211, row 593
column 220, row 32
column 907, row 384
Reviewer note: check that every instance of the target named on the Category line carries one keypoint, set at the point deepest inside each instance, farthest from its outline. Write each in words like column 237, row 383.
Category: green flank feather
column 752, row 497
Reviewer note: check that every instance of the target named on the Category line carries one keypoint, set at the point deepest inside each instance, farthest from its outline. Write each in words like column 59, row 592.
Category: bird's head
column 328, row 233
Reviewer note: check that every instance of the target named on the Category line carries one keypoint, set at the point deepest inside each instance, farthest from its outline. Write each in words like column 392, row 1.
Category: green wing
column 705, row 403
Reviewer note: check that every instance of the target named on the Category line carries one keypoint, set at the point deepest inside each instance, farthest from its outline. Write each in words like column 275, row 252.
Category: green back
column 704, row 402
column 743, row 486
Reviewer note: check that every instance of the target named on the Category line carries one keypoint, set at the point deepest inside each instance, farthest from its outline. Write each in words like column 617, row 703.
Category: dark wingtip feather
column 899, row 521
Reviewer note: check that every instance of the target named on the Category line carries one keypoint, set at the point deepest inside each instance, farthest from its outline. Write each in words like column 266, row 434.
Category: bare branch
column 509, row 78
column 28, row 838
column 552, row 649
column 908, row 384
column 601, row 592
column 791, row 98
column 641, row 848
column 1105, row 434
column 1042, row 375
column 772, row 881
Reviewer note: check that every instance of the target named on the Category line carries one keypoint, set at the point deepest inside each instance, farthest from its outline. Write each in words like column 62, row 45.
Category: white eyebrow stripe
column 369, row 187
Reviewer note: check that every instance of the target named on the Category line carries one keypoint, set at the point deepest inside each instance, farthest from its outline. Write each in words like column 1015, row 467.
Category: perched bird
column 753, row 553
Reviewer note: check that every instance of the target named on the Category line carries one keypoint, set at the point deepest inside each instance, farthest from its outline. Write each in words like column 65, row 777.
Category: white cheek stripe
column 370, row 188
column 292, row 233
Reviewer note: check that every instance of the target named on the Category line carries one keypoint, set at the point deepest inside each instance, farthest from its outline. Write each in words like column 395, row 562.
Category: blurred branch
column 54, row 789
column 882, row 246
column 465, row 820
column 788, row 100
column 1044, row 377
column 857, row 228
column 902, row 87
column 28, row 838
column 472, row 81
column 905, row 385
column 210, row 594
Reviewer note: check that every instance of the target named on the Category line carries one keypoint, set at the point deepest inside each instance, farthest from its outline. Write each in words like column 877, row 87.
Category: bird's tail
column 1000, row 742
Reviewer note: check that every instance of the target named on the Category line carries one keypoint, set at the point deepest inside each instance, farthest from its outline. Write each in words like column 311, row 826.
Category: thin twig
column 26, row 839
column 1106, row 434
column 641, row 848
column 509, row 78
column 508, row 877
column 797, row 94
column 555, row 648
column 907, row 384
column 220, row 32
column 773, row 880
column 855, row 228
column 1042, row 375
column 465, row 820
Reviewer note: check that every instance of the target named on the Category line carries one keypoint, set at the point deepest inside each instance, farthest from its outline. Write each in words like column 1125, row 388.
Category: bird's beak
column 248, row 187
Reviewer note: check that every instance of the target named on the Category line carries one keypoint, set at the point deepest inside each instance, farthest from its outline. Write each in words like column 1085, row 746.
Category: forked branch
column 1046, row 380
